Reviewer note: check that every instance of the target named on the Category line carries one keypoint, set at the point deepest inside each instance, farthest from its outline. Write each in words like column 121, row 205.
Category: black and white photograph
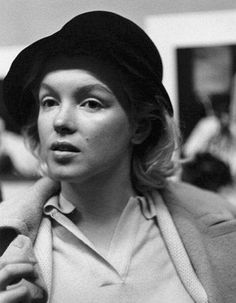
column 117, row 151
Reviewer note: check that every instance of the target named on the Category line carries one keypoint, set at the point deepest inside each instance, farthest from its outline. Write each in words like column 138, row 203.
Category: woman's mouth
column 64, row 147
column 63, row 150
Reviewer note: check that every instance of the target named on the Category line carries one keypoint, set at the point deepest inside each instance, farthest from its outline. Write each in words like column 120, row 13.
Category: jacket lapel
column 194, row 245
column 43, row 252
column 207, row 226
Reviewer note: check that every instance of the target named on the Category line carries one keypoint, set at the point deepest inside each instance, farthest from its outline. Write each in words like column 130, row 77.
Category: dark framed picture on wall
column 205, row 85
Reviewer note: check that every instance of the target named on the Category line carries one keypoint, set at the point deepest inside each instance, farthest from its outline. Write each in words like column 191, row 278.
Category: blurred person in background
column 96, row 114
column 210, row 150
column 215, row 88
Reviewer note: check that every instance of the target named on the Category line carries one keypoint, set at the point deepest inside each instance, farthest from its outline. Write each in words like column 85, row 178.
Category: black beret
column 103, row 35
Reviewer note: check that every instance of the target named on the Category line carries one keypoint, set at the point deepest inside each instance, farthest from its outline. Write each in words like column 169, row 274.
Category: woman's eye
column 48, row 102
column 92, row 104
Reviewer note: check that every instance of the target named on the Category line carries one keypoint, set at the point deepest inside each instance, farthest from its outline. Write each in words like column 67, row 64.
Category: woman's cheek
column 116, row 135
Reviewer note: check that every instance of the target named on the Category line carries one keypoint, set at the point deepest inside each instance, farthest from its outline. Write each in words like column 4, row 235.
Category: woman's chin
column 65, row 175
column 60, row 175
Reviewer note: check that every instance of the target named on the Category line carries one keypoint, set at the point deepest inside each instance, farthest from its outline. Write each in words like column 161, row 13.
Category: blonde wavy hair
column 151, row 169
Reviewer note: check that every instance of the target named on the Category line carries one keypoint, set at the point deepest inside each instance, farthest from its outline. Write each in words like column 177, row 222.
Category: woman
column 91, row 100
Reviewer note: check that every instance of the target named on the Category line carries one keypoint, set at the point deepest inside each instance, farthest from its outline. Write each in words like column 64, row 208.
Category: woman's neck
column 101, row 199
column 100, row 203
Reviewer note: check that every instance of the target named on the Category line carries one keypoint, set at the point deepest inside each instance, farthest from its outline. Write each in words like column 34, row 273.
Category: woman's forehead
column 101, row 70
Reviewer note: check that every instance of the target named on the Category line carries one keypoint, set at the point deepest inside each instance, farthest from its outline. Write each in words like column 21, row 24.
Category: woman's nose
column 64, row 122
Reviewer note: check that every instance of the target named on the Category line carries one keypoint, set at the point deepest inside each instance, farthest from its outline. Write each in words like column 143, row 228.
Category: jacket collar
column 198, row 216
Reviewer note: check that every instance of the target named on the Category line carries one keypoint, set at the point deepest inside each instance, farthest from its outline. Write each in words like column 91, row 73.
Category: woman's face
column 84, row 131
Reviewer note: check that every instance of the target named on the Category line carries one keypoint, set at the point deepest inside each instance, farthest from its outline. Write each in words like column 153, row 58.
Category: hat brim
column 82, row 35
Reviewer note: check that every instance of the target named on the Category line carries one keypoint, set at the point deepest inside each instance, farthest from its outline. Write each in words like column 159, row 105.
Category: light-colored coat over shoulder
column 205, row 222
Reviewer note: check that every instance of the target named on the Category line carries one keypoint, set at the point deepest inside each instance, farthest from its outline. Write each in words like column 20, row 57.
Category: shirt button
column 53, row 212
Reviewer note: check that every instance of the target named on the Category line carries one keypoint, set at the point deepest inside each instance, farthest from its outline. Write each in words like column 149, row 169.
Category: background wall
column 23, row 21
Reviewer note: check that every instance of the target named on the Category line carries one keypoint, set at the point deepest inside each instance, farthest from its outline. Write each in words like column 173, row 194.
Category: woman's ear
column 141, row 131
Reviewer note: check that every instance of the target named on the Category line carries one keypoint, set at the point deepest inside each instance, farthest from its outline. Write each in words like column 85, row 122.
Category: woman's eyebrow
column 83, row 89
column 47, row 87
column 91, row 87
column 80, row 92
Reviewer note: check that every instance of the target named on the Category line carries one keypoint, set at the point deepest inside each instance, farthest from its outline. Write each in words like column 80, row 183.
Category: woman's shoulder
column 23, row 213
column 197, row 201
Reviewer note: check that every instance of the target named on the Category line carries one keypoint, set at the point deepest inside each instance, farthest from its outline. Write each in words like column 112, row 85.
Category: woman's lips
column 64, row 147
column 64, row 150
